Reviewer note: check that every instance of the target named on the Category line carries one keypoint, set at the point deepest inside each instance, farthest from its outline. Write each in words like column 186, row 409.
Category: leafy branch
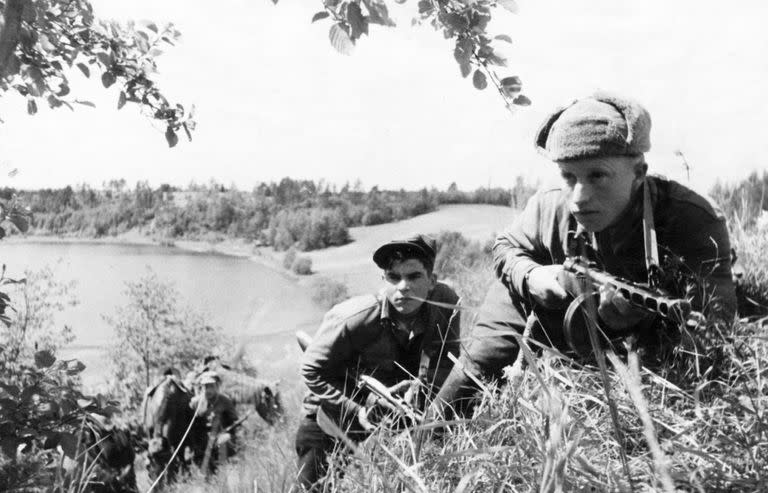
column 465, row 21
column 42, row 40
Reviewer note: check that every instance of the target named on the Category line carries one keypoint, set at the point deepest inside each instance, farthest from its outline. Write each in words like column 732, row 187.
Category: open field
column 352, row 263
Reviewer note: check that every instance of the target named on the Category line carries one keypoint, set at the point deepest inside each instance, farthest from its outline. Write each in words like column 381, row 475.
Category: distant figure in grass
column 611, row 213
column 398, row 336
column 212, row 436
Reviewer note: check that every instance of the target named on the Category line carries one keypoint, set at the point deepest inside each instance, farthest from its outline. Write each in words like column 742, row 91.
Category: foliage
column 302, row 266
column 289, row 258
column 36, row 301
column 745, row 204
column 41, row 407
column 153, row 332
column 550, row 429
column 515, row 197
column 307, row 229
column 42, row 40
column 743, row 201
column 327, row 292
column 466, row 264
column 751, row 269
column 464, row 22
column 302, row 214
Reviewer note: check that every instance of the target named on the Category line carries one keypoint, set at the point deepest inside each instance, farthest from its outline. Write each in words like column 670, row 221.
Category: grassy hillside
column 352, row 263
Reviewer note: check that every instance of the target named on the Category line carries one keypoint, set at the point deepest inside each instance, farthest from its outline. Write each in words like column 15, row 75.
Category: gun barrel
column 676, row 309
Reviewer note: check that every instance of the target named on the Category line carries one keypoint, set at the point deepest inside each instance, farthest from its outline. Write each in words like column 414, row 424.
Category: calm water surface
column 249, row 301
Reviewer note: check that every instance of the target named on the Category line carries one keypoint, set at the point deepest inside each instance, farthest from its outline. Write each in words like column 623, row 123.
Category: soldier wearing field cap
column 215, row 413
column 603, row 211
column 393, row 336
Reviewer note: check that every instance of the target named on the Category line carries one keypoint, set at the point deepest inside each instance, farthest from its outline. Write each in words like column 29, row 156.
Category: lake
column 255, row 304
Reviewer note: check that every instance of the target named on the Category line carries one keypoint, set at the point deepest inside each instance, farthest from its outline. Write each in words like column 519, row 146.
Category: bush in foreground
column 326, row 292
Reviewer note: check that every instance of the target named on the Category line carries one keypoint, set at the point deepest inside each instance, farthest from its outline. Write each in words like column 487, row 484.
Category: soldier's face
column 600, row 188
column 211, row 391
column 406, row 281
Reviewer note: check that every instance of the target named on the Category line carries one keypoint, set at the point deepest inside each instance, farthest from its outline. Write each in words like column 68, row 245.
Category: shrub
column 467, row 264
column 289, row 258
column 327, row 292
column 302, row 266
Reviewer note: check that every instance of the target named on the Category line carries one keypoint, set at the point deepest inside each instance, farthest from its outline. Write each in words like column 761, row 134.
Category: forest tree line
column 301, row 213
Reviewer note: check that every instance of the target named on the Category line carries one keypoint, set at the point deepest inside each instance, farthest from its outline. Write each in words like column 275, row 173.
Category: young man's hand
column 618, row 313
column 545, row 288
column 223, row 438
column 362, row 418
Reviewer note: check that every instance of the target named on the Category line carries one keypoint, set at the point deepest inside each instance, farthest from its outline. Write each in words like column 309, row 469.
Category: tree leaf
column 108, row 78
column 522, row 100
column 171, row 137
column 464, row 50
column 44, row 359
column 320, row 15
column 512, row 85
column 425, row 7
column 480, row 19
column 105, row 59
column 357, row 22
column 84, row 69
column 121, row 100
column 378, row 13
column 458, row 22
column 340, row 39
column 151, row 26
column 479, row 80
column 31, row 106
column 510, row 5
column 465, row 69
column 503, row 37
column 85, row 103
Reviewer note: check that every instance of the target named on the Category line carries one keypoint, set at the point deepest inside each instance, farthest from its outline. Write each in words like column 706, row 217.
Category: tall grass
column 685, row 427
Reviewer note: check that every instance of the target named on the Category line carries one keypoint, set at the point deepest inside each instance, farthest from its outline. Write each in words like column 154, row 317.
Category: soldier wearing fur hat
column 615, row 215
column 394, row 336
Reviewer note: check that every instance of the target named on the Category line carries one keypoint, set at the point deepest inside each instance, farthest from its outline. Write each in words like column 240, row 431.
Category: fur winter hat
column 600, row 125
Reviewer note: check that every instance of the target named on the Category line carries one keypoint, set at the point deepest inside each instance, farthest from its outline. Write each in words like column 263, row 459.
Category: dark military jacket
column 217, row 415
column 690, row 230
column 359, row 337
column 692, row 238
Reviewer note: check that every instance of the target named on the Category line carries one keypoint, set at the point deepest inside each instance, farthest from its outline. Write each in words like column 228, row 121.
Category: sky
column 274, row 99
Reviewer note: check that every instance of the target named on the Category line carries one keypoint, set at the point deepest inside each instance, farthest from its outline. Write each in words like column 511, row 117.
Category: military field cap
column 598, row 126
column 417, row 245
column 209, row 377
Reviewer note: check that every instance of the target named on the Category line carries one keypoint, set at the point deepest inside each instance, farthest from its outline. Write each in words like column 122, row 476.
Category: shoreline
column 349, row 263
column 230, row 247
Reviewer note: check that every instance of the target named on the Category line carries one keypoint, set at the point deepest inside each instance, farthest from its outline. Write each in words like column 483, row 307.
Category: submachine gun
column 584, row 281
column 403, row 408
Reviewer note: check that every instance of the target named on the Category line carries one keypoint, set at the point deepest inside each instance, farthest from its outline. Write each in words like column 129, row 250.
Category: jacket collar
column 421, row 321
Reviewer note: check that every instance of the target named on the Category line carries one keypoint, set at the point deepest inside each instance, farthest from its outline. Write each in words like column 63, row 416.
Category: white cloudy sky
column 274, row 99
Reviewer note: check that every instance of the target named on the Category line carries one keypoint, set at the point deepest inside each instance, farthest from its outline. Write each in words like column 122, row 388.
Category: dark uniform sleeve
column 325, row 361
column 519, row 250
column 228, row 414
